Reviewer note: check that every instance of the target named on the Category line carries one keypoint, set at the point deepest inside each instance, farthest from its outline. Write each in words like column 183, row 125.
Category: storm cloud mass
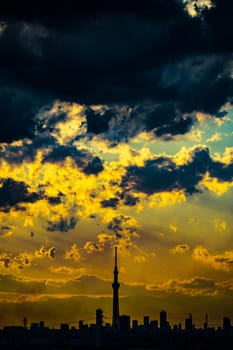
column 114, row 53
column 116, row 130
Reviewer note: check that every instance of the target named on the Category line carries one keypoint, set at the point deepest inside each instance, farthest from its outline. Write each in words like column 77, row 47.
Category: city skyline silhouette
column 122, row 332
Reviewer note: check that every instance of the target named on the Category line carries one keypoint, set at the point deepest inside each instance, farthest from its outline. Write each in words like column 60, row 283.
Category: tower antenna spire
column 115, row 256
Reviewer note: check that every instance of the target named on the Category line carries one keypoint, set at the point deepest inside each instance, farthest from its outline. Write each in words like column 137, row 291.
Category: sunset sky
column 116, row 130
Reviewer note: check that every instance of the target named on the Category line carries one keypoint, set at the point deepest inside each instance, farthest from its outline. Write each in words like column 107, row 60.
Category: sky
column 116, row 130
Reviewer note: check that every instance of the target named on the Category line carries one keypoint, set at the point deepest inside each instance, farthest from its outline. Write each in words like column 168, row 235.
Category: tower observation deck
column 115, row 287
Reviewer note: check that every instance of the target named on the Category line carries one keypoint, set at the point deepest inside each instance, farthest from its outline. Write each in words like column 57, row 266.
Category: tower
column 115, row 287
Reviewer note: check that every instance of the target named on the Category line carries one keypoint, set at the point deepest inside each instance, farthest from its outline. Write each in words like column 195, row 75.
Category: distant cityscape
column 121, row 333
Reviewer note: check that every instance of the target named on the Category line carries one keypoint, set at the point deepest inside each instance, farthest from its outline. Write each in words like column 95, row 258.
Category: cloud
column 222, row 261
column 73, row 253
column 3, row 26
column 195, row 286
column 18, row 107
column 143, row 256
column 18, row 152
column 221, row 226
column 83, row 158
column 63, row 225
column 215, row 137
column 13, row 193
column 66, row 270
column 121, row 122
column 45, row 252
column 173, row 228
column 226, row 157
column 11, row 284
column 180, row 249
column 123, row 231
column 62, row 120
column 92, row 247
column 112, row 202
column 175, row 78
column 196, row 7
column 15, row 262
column 218, row 186
column 163, row 174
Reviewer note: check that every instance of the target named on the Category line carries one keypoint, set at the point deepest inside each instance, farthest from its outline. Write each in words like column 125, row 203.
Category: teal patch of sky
column 226, row 134
column 208, row 128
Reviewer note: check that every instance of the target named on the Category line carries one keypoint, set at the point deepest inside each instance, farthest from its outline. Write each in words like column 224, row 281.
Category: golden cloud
column 215, row 185
column 11, row 262
column 45, row 252
column 215, row 137
column 180, row 249
column 194, row 7
column 222, row 261
column 68, row 120
column 66, row 270
column 73, row 253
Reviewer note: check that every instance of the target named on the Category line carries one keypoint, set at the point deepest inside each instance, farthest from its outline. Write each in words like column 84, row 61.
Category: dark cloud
column 112, row 203
column 94, row 166
column 67, row 13
column 123, row 228
column 63, row 225
column 199, row 283
column 96, row 123
column 119, row 123
column 6, row 261
column 129, row 199
column 223, row 260
column 126, row 53
column 13, row 193
column 17, row 109
column 162, row 174
column 17, row 153
column 25, row 150
column 84, row 159
column 52, row 252
column 54, row 200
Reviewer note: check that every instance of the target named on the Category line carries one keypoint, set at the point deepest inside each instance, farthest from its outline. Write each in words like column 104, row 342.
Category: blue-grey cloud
column 14, row 193
column 162, row 174
column 63, row 225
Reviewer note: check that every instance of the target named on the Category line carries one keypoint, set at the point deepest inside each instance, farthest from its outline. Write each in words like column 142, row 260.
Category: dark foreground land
column 19, row 338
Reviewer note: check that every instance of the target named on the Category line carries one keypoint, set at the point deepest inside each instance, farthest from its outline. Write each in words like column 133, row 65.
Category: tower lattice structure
column 115, row 287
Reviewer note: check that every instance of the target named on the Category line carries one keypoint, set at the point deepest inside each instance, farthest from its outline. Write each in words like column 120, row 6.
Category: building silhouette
column 164, row 325
column 115, row 287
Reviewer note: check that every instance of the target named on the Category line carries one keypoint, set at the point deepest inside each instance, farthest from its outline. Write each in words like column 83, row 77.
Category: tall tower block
column 115, row 287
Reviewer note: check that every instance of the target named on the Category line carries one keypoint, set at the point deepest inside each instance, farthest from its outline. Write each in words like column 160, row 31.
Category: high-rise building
column 189, row 323
column 124, row 322
column 226, row 323
column 99, row 318
column 163, row 319
column 115, row 287
column 146, row 321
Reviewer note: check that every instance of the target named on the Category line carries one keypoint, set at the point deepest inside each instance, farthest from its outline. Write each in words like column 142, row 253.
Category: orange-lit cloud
column 73, row 253
column 223, row 261
column 180, row 249
column 215, row 185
